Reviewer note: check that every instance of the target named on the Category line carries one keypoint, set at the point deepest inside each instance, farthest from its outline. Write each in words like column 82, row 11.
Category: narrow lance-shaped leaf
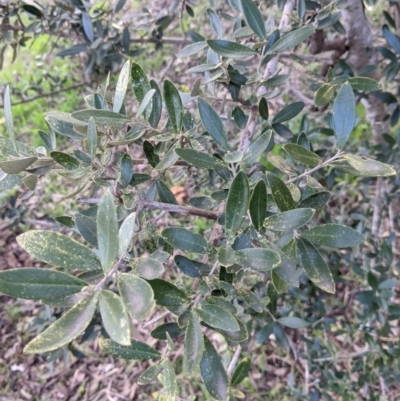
column 156, row 108
column 107, row 231
column 148, row 268
column 259, row 259
column 174, row 106
column 122, row 86
column 185, row 240
column 257, row 148
column 213, row 373
column 253, row 18
column 65, row 160
column 145, row 102
column 289, row 220
column 365, row 166
column 17, row 165
column 236, row 204
column 288, row 112
column 136, row 350
column 168, row 380
column 126, row 233
column 8, row 117
column 87, row 228
column 217, row 317
column 65, row 329
column 292, row 39
column 101, row 117
column 92, row 138
column 199, row 159
column 241, row 371
column 315, row 267
column 32, row 283
column 212, row 123
column 140, row 85
column 258, row 205
column 301, row 155
column 230, row 49
column 334, row 236
column 126, row 168
column 114, row 317
column 137, row 295
column 215, row 22
column 344, row 114
column 194, row 345
column 58, row 250
column 280, row 192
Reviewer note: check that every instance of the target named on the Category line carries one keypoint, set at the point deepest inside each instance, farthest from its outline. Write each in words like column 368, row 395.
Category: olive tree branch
column 324, row 164
column 100, row 285
column 234, row 360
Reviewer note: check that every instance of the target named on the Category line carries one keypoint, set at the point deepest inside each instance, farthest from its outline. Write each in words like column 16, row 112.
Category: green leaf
column 191, row 268
column 10, row 181
column 58, row 250
column 367, row 167
column 289, row 220
column 126, row 168
column 114, row 317
column 92, row 138
column 259, row 259
column 364, row 84
column 165, row 193
column 30, row 181
column 8, row 117
column 344, row 114
column 122, row 86
column 280, row 192
column 194, row 345
column 126, row 233
column 334, row 236
column 32, row 283
column 292, row 39
column 263, row 109
column 199, row 159
column 213, row 373
column 137, row 350
column 63, row 124
column 170, row 158
column 156, row 107
column 101, row 117
column 151, row 156
column 315, row 267
column 215, row 23
column 257, row 148
column 230, row 49
column 276, row 81
column 237, row 204
column 324, row 95
column 174, row 106
column 280, row 285
column 253, row 18
column 235, row 336
column 145, row 102
column 301, row 155
column 17, row 165
column 65, row 329
column 107, row 231
column 286, row 271
column 217, row 317
column 173, row 330
column 293, row 322
column 250, row 298
column 258, row 205
column 241, row 371
column 185, row 240
column 150, row 373
column 170, row 296
column 315, row 201
column 288, row 112
column 281, row 337
column 212, row 123
column 168, row 380
column 137, row 295
column 87, row 228
column 140, row 85
column 65, row 160
column 147, row 268
column 192, row 49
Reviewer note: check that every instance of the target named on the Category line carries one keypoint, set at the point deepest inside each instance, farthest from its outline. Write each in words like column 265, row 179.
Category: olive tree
column 133, row 254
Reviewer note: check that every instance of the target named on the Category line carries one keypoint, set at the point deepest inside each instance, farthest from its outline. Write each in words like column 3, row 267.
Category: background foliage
column 221, row 194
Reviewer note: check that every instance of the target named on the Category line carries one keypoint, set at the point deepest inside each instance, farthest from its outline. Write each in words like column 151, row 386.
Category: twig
column 324, row 164
column 248, row 132
column 156, row 319
column 100, row 285
column 234, row 360
column 31, row 99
